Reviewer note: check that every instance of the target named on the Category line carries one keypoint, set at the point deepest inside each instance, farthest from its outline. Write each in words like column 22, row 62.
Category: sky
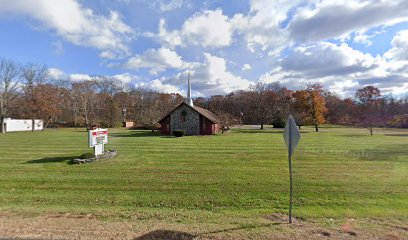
column 226, row 45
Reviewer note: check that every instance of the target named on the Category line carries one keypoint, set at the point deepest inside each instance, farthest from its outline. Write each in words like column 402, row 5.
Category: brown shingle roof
column 207, row 114
column 204, row 112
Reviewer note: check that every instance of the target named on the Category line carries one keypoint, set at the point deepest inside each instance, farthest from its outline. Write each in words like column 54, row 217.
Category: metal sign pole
column 291, row 135
column 290, row 170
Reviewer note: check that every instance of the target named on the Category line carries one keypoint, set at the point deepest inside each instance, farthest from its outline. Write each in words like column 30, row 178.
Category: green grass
column 338, row 172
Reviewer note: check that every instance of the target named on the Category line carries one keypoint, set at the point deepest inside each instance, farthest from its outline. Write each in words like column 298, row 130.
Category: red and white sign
column 97, row 137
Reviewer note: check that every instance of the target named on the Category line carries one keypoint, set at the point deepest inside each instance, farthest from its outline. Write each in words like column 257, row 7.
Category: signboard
column 98, row 136
column 96, row 139
column 291, row 135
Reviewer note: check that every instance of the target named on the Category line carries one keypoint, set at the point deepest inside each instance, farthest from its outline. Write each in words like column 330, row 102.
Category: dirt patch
column 274, row 226
column 281, row 218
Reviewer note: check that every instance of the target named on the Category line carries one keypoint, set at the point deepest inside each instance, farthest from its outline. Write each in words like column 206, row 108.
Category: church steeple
column 189, row 99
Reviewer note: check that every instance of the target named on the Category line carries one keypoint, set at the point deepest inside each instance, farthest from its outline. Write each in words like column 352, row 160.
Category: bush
column 87, row 155
column 178, row 133
column 278, row 122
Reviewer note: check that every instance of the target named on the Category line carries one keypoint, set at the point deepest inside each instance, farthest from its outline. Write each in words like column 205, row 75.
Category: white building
column 18, row 125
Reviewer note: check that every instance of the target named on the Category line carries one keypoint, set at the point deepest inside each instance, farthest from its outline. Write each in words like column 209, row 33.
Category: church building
column 193, row 120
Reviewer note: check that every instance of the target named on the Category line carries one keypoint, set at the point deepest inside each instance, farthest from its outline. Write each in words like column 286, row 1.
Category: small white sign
column 97, row 138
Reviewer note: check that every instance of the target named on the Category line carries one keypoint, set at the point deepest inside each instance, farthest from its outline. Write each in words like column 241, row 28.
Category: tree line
column 30, row 92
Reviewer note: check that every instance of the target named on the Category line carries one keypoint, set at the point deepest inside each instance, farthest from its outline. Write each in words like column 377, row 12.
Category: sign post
column 97, row 138
column 291, row 136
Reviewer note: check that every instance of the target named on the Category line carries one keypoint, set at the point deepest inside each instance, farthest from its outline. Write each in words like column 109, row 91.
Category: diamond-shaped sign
column 291, row 135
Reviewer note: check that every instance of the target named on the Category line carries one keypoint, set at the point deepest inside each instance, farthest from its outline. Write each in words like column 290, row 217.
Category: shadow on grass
column 275, row 131
column 356, row 135
column 67, row 159
column 397, row 135
column 176, row 235
column 136, row 134
column 384, row 153
column 166, row 235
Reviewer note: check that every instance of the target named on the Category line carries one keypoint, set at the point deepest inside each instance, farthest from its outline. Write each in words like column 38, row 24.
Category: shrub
column 178, row 133
column 87, row 155
column 278, row 122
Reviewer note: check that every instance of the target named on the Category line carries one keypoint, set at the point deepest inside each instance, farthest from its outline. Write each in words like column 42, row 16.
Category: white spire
column 189, row 99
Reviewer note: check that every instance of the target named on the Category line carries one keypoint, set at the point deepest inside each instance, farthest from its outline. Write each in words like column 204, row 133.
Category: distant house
column 128, row 124
column 193, row 120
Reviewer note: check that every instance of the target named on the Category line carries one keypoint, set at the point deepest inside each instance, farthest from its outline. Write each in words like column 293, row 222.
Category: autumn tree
column 339, row 110
column 108, row 109
column 8, row 88
column 49, row 101
column 226, row 121
column 310, row 103
column 34, row 76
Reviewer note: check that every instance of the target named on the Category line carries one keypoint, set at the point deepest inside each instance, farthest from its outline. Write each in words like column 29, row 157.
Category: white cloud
column 208, row 78
column 262, row 26
column 339, row 68
column 328, row 19
column 77, row 77
column 157, row 85
column 157, row 60
column 363, row 39
column 209, row 28
column 169, row 39
column 399, row 50
column 75, row 23
column 327, row 59
column 166, row 6
column 246, row 67
column 57, row 73
column 125, row 78
column 274, row 25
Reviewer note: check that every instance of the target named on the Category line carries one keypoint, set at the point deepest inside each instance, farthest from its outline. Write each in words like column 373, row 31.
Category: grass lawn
column 227, row 180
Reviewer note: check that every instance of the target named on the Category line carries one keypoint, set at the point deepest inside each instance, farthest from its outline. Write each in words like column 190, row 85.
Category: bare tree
column 85, row 98
column 368, row 102
column 33, row 76
column 8, row 88
column 264, row 99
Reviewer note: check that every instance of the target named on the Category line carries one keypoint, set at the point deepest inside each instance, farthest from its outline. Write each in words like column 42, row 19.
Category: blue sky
column 227, row 45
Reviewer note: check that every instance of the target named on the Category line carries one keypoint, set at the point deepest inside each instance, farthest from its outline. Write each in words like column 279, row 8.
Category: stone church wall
column 191, row 125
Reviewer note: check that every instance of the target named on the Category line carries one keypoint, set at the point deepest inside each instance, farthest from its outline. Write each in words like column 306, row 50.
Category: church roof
column 204, row 112
column 207, row 114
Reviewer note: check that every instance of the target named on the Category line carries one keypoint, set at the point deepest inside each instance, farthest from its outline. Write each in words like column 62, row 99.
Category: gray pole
column 124, row 114
column 290, row 170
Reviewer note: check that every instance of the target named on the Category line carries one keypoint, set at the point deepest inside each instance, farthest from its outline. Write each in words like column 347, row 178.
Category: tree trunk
column 2, row 116
column 262, row 127
column 317, row 129
column 46, row 124
column 75, row 121
column 371, row 131
column 32, row 124
column 2, row 127
column 86, row 122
